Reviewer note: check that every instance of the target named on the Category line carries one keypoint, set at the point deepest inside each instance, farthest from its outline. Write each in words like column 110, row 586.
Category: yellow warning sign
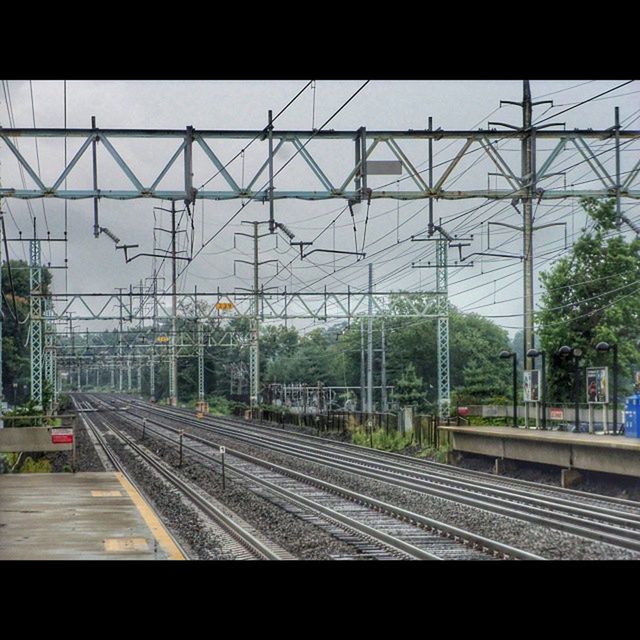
column 224, row 306
column 163, row 339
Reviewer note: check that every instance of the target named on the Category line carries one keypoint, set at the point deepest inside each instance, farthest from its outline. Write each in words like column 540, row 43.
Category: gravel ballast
column 304, row 540
column 548, row 543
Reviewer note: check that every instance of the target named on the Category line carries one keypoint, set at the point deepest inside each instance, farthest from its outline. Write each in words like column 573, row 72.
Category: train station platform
column 573, row 452
column 81, row 516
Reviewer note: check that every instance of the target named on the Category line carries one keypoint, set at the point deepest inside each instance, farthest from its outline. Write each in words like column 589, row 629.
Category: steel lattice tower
column 443, row 327
column 35, row 283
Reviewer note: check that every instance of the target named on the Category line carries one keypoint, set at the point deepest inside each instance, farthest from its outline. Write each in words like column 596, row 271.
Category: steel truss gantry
column 305, row 144
column 354, row 180
column 274, row 305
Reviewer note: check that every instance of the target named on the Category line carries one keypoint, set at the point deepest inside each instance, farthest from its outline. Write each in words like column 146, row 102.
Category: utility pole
column 528, row 181
column 383, row 372
column 370, row 344
column 120, row 353
column 254, row 349
column 49, row 367
column 254, row 358
column 173, row 361
column 362, row 370
column 201, row 406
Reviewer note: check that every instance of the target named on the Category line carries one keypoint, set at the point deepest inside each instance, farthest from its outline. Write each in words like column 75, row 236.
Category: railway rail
column 395, row 532
column 601, row 518
column 237, row 539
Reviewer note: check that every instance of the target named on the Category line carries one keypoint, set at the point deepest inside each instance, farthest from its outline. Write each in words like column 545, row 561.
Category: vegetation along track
column 402, row 533
column 237, row 540
column 596, row 517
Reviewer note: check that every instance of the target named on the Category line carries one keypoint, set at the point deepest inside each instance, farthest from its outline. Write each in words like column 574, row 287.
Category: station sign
column 61, row 436
column 556, row 414
column 597, row 385
column 531, row 385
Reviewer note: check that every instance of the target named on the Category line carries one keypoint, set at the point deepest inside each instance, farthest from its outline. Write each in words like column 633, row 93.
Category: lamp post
column 511, row 354
column 576, row 352
column 534, row 353
column 15, row 387
column 605, row 346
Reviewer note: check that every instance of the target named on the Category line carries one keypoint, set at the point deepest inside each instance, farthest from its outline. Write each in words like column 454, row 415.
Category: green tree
column 591, row 295
column 409, row 388
column 15, row 345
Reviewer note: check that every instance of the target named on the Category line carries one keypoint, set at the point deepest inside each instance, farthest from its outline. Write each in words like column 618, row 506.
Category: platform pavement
column 81, row 516
column 570, row 451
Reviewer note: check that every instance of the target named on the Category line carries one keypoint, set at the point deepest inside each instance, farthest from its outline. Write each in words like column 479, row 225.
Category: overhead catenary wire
column 240, row 209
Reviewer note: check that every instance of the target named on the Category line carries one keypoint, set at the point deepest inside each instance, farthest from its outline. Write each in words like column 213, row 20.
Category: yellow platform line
column 159, row 531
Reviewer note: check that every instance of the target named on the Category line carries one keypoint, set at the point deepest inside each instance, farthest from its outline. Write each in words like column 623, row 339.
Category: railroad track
column 238, row 539
column 611, row 520
column 394, row 532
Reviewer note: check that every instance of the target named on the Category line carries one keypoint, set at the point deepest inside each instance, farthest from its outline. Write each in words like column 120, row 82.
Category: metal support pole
column 618, row 208
column 515, row 390
column 181, row 434
column 120, row 354
column 94, row 145
column 576, row 394
column 222, row 451
column 254, row 355
column 362, row 369
column 173, row 361
column 615, row 388
column 370, row 344
column 35, row 273
column 543, row 389
column 152, row 377
column 272, row 223
column 200, row 338
column 443, row 328
column 383, row 372
column 528, row 180
column 128, row 376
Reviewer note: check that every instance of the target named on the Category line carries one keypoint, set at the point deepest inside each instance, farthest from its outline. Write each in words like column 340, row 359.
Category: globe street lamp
column 576, row 352
column 534, row 353
column 605, row 346
column 511, row 354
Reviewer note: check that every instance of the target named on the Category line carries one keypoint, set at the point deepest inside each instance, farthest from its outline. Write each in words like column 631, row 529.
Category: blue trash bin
column 632, row 417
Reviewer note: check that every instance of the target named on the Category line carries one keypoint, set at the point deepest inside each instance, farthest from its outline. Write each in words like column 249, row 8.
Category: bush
column 64, row 403
column 392, row 441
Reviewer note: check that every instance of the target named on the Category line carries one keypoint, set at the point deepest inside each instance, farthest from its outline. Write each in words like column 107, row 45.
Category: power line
column 579, row 104
column 234, row 216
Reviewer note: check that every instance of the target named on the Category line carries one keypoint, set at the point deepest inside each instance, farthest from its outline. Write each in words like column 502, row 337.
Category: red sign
column 61, row 436
column 463, row 411
column 556, row 414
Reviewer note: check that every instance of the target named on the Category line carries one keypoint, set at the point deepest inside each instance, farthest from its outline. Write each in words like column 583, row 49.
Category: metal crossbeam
column 223, row 306
column 318, row 185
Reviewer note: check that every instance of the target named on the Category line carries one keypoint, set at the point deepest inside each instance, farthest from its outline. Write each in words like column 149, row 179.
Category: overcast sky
column 493, row 287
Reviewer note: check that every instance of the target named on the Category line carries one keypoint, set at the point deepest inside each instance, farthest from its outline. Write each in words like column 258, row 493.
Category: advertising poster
column 598, row 385
column 531, row 381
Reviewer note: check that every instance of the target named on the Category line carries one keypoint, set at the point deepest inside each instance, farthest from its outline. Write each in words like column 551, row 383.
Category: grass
column 392, row 441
